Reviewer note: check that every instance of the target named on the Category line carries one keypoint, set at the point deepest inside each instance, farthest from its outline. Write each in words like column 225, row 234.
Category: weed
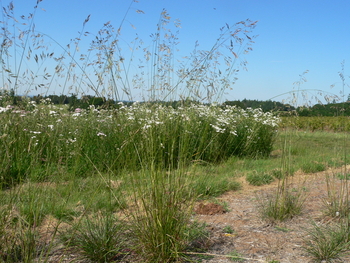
column 223, row 204
column 228, row 230
column 303, row 188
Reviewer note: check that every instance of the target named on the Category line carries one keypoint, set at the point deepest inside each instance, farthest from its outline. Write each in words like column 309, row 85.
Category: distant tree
column 235, row 103
column 331, row 109
column 264, row 105
column 73, row 101
column 97, row 101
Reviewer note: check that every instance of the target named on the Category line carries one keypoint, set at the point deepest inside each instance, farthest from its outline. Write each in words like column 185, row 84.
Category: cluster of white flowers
column 221, row 119
column 35, row 132
column 4, row 109
column 217, row 128
column 46, row 101
column 71, row 140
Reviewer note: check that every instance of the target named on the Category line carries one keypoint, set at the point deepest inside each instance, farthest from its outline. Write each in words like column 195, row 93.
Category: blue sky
column 292, row 36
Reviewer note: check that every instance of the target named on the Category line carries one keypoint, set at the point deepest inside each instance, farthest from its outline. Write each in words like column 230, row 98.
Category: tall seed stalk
column 337, row 202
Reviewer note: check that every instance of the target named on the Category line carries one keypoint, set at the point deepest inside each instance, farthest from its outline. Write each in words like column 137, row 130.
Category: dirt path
column 262, row 241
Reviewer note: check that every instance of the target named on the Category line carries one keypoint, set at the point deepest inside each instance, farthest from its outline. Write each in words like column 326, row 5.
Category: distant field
column 336, row 124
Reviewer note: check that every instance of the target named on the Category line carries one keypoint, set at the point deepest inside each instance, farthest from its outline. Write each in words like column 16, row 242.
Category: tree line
column 330, row 109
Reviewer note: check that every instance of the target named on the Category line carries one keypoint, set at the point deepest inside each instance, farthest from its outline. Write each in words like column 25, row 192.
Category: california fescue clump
column 50, row 138
column 153, row 142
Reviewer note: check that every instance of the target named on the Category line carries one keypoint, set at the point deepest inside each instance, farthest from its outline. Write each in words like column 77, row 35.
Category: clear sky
column 292, row 35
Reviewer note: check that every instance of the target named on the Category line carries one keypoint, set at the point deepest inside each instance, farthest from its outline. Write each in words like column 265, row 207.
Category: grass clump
column 214, row 186
column 163, row 208
column 259, row 178
column 313, row 167
column 99, row 238
column 19, row 241
column 281, row 174
column 327, row 243
column 282, row 205
column 337, row 203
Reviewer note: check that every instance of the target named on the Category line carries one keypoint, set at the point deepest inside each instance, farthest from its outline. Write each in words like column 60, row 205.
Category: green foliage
column 100, row 238
column 283, row 229
column 49, row 140
column 266, row 106
column 163, row 207
column 213, row 186
column 331, row 110
column 337, row 123
column 259, row 178
column 343, row 176
column 19, row 241
column 280, row 174
column 283, row 205
column 236, row 257
column 327, row 243
column 198, row 237
column 85, row 144
column 8, row 98
column 337, row 203
column 313, row 167
column 228, row 230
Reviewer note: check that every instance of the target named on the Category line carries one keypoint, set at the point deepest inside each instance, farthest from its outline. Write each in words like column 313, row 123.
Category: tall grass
column 162, row 210
column 49, row 139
